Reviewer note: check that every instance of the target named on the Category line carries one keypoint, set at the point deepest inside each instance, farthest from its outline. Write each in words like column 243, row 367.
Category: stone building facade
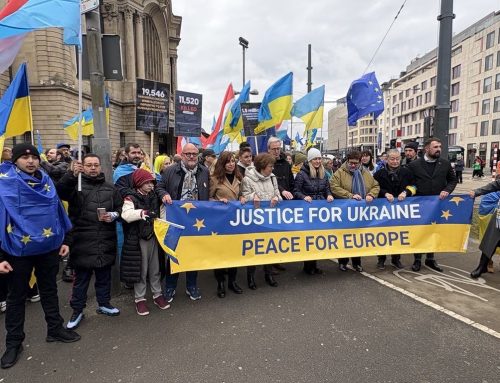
column 149, row 33
column 474, row 92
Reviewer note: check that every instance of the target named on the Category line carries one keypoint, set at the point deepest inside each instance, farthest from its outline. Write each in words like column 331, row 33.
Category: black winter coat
column 92, row 242
column 173, row 177
column 131, row 260
column 283, row 172
column 394, row 183
column 443, row 177
column 305, row 186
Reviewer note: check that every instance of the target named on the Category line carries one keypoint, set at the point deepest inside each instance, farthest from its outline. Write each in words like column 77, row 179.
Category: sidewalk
column 471, row 184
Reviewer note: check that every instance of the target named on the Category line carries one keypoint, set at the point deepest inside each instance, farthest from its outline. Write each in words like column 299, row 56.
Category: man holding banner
column 433, row 176
column 185, row 181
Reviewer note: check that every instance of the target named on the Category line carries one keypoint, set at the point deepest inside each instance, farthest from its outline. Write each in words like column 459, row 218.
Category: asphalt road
column 338, row 327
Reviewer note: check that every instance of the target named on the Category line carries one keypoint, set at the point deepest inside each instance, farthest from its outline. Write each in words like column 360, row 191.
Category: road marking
column 433, row 305
column 445, row 280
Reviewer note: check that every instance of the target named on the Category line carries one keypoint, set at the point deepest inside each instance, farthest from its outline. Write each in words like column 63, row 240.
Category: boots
column 221, row 289
column 481, row 268
column 271, row 281
column 251, row 281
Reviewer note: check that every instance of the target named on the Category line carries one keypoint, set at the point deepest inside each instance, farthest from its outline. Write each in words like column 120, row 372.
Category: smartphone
column 101, row 212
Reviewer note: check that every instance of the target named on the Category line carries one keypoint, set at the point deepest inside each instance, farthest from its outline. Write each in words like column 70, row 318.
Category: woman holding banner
column 353, row 180
column 260, row 184
column 225, row 186
column 311, row 183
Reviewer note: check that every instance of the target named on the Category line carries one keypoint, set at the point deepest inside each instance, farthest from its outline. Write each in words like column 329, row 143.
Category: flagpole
column 29, row 107
column 80, row 106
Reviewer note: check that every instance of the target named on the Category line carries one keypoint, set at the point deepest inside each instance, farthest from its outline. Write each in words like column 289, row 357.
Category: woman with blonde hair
column 311, row 183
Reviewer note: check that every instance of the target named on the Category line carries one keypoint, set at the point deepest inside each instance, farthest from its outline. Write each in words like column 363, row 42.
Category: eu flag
column 364, row 97
column 32, row 218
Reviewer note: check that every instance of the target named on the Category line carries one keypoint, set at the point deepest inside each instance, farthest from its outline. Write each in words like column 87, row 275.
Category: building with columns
column 150, row 35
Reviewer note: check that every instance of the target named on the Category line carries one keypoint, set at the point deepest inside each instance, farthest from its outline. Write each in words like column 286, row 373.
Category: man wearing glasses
column 186, row 180
column 92, row 240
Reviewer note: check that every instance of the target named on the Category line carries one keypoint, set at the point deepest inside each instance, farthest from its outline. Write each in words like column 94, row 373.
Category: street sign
column 88, row 5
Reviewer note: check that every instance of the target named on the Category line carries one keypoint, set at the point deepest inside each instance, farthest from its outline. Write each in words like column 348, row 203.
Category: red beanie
column 141, row 176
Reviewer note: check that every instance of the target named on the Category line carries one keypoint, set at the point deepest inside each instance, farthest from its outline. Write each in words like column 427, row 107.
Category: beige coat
column 341, row 183
column 264, row 187
column 226, row 190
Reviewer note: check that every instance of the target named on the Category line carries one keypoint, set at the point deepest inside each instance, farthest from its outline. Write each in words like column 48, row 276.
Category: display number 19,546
column 153, row 93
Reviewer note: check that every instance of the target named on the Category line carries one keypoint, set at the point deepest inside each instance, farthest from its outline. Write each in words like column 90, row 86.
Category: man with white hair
column 186, row 180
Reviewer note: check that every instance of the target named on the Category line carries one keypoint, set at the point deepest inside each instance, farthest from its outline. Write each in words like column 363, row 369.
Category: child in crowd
column 140, row 249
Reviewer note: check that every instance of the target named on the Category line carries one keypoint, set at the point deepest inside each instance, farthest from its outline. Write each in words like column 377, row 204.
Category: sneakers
column 108, row 310
column 75, row 320
column 3, row 306
column 342, row 267
column 169, row 295
column 35, row 298
column 63, row 335
column 193, row 293
column 141, row 307
column 161, row 302
column 357, row 268
column 380, row 265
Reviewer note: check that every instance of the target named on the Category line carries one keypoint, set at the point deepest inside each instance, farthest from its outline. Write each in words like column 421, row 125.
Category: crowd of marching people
column 112, row 220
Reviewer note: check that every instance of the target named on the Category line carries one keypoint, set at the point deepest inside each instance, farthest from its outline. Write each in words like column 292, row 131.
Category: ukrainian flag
column 168, row 235
column 276, row 104
column 233, row 123
column 15, row 107
column 71, row 126
column 310, row 108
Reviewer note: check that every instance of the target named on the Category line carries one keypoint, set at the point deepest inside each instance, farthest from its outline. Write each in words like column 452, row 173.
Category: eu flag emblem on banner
column 364, row 97
column 168, row 235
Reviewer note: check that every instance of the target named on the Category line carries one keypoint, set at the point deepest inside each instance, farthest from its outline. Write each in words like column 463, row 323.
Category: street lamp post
column 244, row 45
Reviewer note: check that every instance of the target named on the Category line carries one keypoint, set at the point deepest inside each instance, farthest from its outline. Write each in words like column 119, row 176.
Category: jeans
column 46, row 270
column 171, row 279
column 81, row 285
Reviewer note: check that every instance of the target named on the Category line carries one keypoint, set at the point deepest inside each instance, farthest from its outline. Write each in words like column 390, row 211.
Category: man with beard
column 433, row 176
column 411, row 150
column 185, row 181
column 54, row 167
column 122, row 176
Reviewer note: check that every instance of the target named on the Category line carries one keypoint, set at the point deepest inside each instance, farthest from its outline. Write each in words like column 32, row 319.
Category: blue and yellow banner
column 219, row 235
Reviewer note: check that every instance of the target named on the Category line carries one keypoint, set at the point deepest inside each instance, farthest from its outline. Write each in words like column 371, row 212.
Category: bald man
column 186, row 180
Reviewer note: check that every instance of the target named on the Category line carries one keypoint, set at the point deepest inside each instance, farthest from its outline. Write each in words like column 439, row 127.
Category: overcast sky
column 344, row 35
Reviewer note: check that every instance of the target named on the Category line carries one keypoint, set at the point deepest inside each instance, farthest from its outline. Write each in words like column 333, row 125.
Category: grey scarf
column 189, row 186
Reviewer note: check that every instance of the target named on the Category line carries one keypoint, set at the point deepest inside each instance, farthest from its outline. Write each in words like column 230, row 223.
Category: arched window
column 152, row 51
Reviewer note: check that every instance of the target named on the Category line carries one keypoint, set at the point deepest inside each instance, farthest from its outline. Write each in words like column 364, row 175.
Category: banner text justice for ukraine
column 229, row 235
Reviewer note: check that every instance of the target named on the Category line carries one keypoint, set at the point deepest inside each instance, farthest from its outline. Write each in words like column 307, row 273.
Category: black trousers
column 418, row 256
column 46, row 270
column 267, row 270
column 310, row 265
column 354, row 260
column 81, row 285
column 220, row 274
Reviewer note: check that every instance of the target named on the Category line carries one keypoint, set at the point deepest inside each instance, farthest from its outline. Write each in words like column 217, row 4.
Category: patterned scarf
column 189, row 186
column 358, row 183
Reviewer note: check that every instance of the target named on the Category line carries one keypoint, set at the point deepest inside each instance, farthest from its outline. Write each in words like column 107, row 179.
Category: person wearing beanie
column 22, row 184
column 298, row 160
column 93, row 210
column 311, row 183
column 411, row 151
column 140, row 248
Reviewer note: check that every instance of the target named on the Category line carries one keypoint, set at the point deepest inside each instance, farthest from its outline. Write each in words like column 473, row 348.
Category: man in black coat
column 433, row 176
column 283, row 172
column 186, row 180
column 92, row 241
